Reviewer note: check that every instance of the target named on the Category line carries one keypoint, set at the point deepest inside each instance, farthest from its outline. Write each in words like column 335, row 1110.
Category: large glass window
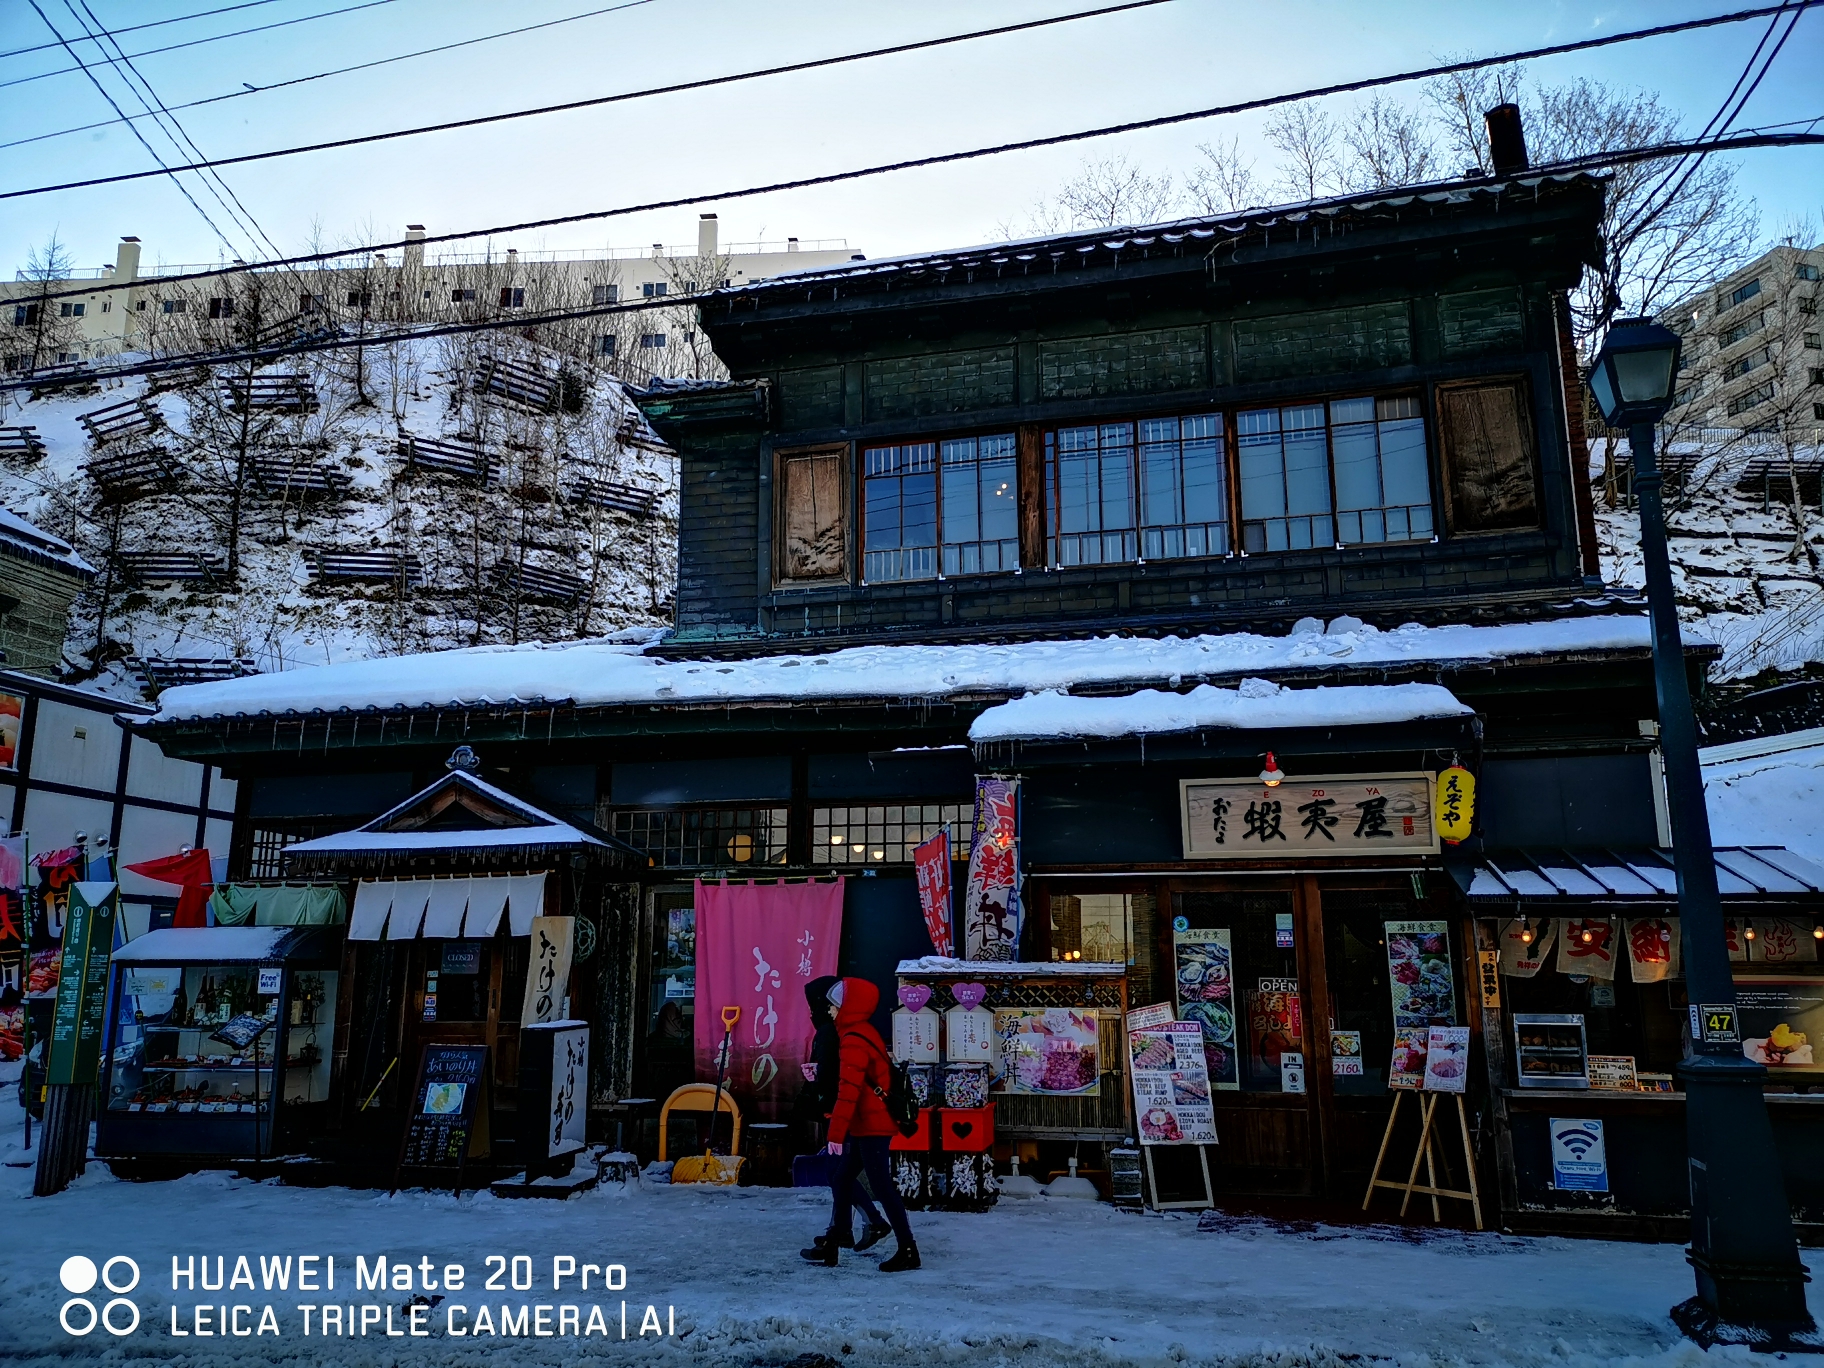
column 1383, row 487
column 1184, row 493
column 1285, row 480
column 947, row 507
column 1366, row 454
column 1091, row 478
column 885, row 833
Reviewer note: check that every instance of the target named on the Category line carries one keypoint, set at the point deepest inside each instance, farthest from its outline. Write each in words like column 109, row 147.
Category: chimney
column 658, row 250
column 1506, row 140
column 414, row 254
column 791, row 244
column 512, row 257
column 706, row 235
column 126, row 259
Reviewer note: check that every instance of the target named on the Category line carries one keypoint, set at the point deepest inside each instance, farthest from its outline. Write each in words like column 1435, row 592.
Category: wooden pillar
column 1308, row 917
column 1500, row 1140
column 1030, row 486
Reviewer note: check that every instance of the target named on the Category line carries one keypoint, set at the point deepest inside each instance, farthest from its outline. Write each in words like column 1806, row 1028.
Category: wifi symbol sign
column 1578, row 1158
column 1579, row 1142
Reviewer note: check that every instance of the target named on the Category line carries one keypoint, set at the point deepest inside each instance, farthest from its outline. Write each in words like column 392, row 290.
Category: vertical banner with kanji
column 757, row 947
column 932, row 861
column 548, row 970
column 991, row 898
column 82, row 987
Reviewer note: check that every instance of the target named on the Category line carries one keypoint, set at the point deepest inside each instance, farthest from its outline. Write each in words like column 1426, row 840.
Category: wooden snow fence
column 118, row 422
column 535, row 584
column 21, row 445
column 270, row 393
column 136, row 473
column 385, row 566
column 288, row 475
column 1772, row 477
column 518, row 382
column 622, row 498
column 158, row 674
column 441, row 456
column 170, row 567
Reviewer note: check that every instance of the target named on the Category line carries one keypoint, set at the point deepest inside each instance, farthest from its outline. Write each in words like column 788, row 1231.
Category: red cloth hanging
column 191, row 873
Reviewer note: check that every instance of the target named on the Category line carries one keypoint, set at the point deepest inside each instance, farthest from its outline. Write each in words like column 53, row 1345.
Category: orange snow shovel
column 710, row 1167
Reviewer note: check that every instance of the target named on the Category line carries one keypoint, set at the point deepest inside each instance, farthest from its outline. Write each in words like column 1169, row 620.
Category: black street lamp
column 1742, row 1245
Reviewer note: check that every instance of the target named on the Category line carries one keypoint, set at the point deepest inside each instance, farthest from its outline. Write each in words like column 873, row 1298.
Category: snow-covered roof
column 1258, row 703
column 221, row 944
column 944, row 965
column 1768, row 793
column 21, row 538
column 1746, row 873
column 537, row 827
column 613, row 673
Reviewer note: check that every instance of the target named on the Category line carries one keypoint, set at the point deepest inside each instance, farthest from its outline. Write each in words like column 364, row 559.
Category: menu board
column 1203, row 960
column 1049, row 1050
column 444, row 1106
column 1424, row 994
column 1447, row 1059
column 1171, row 1084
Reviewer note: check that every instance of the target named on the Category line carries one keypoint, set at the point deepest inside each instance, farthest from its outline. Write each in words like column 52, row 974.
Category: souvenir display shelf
column 1550, row 1051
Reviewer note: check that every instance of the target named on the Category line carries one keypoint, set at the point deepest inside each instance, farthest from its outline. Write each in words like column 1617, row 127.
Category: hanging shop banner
column 1782, row 1023
column 191, row 872
column 757, row 946
column 1733, row 938
column 1456, row 805
column 1275, row 1025
column 1782, row 940
column 991, row 898
column 1447, row 1059
column 1418, row 964
column 1171, row 1085
column 1225, row 820
column 1586, row 945
column 1653, row 948
column 1580, row 1161
column 548, row 970
column 82, row 985
column 1521, row 958
column 932, row 862
column 1203, row 961
column 1050, row 1051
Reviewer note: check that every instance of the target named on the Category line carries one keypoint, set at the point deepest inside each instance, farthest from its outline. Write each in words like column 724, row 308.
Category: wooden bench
column 21, row 445
column 440, row 456
column 270, row 393
column 642, row 503
column 1772, row 478
column 170, row 567
column 129, row 418
column 123, row 476
column 518, row 381
column 160, row 674
column 286, row 475
column 538, row 585
column 366, row 567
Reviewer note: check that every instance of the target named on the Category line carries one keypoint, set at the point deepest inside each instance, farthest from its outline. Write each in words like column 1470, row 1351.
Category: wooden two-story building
column 1135, row 517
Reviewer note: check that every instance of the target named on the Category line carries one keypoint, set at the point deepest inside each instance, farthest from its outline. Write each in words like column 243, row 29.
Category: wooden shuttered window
column 1485, row 434
column 813, row 516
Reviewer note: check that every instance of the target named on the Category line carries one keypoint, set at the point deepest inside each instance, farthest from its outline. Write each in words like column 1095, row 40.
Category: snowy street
column 1030, row 1283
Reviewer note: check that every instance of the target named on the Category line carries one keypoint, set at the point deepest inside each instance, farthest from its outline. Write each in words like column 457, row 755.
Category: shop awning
column 224, row 945
column 1634, row 875
column 447, row 909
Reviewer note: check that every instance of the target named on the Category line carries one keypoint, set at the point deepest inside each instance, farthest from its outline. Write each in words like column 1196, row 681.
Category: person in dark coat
column 860, row 1126
column 819, row 1096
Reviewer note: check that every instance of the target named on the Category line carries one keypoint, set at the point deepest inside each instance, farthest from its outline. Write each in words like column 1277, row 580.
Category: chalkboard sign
column 445, row 1107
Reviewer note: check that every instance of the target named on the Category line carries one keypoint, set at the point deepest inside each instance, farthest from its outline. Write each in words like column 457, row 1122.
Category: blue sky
column 1182, row 55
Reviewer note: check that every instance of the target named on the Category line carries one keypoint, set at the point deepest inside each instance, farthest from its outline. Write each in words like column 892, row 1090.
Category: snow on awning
column 944, row 966
column 1552, row 874
column 445, row 909
column 217, row 944
column 1255, row 705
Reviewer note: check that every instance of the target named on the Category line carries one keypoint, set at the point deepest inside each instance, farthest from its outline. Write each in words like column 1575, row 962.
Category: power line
column 1340, row 88
column 198, row 42
column 343, row 71
column 521, row 322
column 183, row 189
column 156, row 23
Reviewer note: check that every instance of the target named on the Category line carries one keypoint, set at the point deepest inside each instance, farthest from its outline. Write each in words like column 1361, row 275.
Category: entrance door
column 1235, row 970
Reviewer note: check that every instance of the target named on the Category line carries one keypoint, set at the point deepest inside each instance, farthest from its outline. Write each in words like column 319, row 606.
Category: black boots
column 872, row 1236
column 906, row 1256
column 822, row 1251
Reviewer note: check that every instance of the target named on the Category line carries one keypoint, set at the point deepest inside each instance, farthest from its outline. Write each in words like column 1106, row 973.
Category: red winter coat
column 862, row 1067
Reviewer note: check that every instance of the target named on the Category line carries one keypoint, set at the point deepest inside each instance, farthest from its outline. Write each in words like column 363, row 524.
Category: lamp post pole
column 1742, row 1244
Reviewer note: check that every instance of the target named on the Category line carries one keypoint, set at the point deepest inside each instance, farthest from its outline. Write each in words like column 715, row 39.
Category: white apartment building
column 1754, row 346
column 130, row 302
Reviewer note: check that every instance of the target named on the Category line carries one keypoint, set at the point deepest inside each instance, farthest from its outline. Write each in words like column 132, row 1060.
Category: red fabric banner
column 932, row 861
column 191, row 873
column 757, row 947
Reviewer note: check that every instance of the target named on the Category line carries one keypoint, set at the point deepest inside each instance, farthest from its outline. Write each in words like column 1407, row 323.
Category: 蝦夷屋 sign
column 1227, row 819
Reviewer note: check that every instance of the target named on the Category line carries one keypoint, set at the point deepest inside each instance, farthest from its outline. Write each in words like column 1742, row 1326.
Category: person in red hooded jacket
column 860, row 1126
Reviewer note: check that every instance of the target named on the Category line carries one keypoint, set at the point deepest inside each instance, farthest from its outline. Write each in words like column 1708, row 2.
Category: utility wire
column 1340, row 88
column 214, row 38
column 174, row 131
column 343, row 71
column 166, row 170
column 522, row 322
column 156, row 23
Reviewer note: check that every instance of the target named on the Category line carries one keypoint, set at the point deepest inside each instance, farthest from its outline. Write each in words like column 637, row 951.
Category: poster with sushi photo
column 1419, row 974
column 1204, row 960
column 1171, row 1085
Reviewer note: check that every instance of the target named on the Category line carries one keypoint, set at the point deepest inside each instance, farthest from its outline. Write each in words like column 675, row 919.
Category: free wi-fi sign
column 1579, row 1160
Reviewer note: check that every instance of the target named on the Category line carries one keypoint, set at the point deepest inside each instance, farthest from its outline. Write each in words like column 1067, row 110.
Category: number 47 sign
column 1715, row 1024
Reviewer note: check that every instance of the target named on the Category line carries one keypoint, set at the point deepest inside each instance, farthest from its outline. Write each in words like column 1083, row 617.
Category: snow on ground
column 1768, row 799
column 1033, row 1284
column 611, row 672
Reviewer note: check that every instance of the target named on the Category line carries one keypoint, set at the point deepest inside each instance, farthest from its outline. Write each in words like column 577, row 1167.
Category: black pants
column 868, row 1154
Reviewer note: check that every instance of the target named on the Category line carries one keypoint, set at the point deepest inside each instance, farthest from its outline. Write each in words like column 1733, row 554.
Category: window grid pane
column 888, row 833
column 1184, row 500
column 900, row 496
column 980, row 509
column 705, row 838
column 1092, row 486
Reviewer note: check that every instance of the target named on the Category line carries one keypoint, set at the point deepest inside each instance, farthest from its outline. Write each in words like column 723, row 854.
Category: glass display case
column 218, row 1043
